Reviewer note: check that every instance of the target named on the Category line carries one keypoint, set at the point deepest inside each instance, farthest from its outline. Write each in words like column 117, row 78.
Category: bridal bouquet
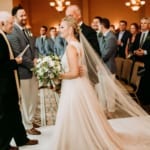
column 47, row 71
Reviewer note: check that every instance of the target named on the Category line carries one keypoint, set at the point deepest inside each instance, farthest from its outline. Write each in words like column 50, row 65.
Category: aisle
column 121, row 125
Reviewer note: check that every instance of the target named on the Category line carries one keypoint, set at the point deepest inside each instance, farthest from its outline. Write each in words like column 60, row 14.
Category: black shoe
column 32, row 142
column 13, row 148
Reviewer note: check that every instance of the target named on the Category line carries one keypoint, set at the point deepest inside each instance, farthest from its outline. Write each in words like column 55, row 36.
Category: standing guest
column 11, row 125
column 108, row 48
column 134, row 30
column 142, row 52
column 19, row 39
column 122, row 37
column 96, row 23
column 88, row 32
column 52, row 37
column 60, row 44
column 42, row 42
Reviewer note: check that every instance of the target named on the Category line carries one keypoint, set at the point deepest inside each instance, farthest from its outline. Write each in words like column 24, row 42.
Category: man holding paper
column 23, row 45
column 11, row 125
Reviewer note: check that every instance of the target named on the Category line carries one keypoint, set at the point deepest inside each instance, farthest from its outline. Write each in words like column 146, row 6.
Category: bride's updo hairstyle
column 72, row 23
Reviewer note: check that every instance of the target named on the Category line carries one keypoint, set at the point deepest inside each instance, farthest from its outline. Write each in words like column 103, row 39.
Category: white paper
column 22, row 53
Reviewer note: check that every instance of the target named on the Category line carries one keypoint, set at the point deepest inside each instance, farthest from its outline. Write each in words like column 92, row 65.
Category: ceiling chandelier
column 59, row 4
column 135, row 4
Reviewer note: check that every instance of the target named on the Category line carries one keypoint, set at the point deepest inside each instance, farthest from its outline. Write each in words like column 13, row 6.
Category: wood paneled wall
column 40, row 13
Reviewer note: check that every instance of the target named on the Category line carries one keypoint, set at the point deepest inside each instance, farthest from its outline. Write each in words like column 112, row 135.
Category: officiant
column 11, row 125
column 19, row 39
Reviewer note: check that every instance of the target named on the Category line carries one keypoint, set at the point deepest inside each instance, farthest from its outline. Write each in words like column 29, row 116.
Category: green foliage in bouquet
column 47, row 71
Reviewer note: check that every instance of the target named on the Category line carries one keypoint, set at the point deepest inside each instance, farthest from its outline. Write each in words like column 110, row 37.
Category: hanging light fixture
column 135, row 5
column 59, row 4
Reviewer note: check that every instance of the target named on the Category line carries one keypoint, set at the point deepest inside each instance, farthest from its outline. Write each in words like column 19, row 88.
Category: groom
column 19, row 39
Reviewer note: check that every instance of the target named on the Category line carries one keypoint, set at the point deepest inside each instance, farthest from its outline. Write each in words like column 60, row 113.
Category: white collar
column 19, row 26
column 106, row 32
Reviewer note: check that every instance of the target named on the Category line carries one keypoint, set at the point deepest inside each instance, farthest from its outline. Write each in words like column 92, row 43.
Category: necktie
column 103, row 39
column 25, row 34
column 42, row 40
column 142, row 40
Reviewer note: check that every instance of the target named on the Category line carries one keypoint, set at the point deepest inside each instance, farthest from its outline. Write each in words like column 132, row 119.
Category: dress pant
column 11, row 126
column 29, row 88
column 143, row 92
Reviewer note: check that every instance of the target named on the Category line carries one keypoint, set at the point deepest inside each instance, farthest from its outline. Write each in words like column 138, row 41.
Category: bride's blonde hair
column 72, row 23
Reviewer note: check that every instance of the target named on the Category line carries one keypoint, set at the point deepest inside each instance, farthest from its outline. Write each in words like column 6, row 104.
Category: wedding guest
column 122, row 37
column 108, row 48
column 134, row 30
column 96, row 24
column 52, row 37
column 19, row 39
column 89, row 33
column 11, row 125
column 60, row 44
column 142, row 52
column 42, row 43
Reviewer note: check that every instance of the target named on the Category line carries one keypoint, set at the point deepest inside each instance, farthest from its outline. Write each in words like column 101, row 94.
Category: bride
column 81, row 123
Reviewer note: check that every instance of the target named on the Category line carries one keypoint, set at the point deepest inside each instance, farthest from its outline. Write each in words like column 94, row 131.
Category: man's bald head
column 6, row 21
column 74, row 11
column 4, row 16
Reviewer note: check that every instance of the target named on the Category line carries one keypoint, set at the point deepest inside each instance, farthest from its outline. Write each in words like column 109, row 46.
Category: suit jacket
column 59, row 46
column 9, row 107
column 51, row 45
column 18, row 42
column 108, row 47
column 146, row 47
column 7, row 79
column 91, row 36
column 45, row 48
column 124, row 39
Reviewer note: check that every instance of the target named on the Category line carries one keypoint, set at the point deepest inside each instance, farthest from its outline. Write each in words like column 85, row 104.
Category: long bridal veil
column 109, row 90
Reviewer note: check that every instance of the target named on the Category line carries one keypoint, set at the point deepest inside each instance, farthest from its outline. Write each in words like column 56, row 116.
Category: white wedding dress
column 81, row 123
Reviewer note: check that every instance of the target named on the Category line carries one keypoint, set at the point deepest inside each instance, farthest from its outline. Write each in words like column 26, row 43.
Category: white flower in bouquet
column 47, row 71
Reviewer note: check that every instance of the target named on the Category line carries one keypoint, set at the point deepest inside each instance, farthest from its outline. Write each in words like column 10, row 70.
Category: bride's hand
column 82, row 70
column 60, row 76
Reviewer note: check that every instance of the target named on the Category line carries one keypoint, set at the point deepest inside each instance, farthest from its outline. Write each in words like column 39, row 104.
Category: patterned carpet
column 47, row 108
column 48, row 105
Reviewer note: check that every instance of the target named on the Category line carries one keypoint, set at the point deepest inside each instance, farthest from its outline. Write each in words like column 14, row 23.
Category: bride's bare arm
column 72, row 57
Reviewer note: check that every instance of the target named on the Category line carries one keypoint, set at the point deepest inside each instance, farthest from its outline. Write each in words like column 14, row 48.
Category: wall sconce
column 135, row 5
column 59, row 4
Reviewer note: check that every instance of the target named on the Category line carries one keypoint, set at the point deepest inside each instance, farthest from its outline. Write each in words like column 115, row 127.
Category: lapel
column 103, row 41
column 147, row 41
column 21, row 34
column 12, row 57
column 148, row 37
column 124, row 35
